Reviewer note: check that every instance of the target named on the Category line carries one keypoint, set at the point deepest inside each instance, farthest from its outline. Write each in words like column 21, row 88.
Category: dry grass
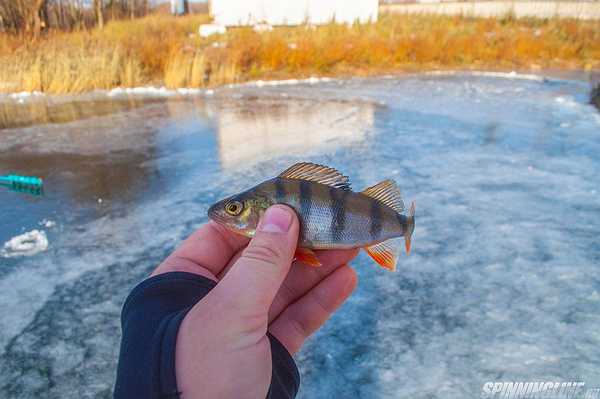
column 165, row 50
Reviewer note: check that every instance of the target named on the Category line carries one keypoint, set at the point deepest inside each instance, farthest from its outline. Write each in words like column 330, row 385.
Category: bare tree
column 33, row 16
column 98, row 10
column 13, row 14
column 24, row 15
column 38, row 17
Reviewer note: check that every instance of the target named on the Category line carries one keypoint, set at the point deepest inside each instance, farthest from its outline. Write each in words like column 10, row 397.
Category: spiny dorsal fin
column 385, row 253
column 388, row 193
column 317, row 173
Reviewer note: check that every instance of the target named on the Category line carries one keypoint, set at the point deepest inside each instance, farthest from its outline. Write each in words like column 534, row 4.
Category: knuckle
column 321, row 307
column 301, row 330
column 288, row 294
column 263, row 252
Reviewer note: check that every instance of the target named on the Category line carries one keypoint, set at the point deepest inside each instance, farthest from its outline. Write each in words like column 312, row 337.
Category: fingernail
column 276, row 220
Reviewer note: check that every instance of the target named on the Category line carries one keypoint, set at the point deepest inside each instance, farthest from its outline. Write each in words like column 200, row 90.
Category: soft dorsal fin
column 388, row 193
column 317, row 173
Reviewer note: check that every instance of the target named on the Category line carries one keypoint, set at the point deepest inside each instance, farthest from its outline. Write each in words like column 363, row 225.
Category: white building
column 177, row 7
column 291, row 12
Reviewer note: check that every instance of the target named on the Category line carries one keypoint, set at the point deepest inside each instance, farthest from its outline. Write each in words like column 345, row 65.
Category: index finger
column 206, row 252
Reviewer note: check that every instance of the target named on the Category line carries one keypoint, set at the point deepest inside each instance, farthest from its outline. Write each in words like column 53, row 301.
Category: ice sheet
column 501, row 284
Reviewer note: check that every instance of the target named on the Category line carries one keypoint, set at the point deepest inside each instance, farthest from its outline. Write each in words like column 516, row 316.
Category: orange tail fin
column 385, row 253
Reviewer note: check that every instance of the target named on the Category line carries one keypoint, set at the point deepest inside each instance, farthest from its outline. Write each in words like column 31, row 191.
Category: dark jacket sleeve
column 150, row 320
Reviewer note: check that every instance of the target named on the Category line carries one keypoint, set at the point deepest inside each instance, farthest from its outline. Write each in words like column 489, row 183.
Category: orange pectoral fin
column 307, row 256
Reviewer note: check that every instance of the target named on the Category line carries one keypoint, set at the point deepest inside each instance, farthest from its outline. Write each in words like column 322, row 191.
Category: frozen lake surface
column 502, row 284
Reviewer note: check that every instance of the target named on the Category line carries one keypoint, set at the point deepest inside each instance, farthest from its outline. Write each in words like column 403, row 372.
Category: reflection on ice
column 258, row 130
column 51, row 110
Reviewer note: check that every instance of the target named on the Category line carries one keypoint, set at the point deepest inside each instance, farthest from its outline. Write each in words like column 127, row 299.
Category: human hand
column 222, row 347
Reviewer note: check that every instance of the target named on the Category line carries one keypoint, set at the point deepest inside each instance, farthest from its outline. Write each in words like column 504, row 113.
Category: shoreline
column 158, row 91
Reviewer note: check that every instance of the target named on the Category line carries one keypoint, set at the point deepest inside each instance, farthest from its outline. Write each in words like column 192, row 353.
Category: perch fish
column 331, row 215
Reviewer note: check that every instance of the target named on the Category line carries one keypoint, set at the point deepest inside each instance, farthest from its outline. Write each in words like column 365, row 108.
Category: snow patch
column 25, row 95
column 22, row 96
column 47, row 223
column 152, row 91
column 145, row 91
column 286, row 82
column 567, row 101
column 162, row 91
column 504, row 75
column 28, row 244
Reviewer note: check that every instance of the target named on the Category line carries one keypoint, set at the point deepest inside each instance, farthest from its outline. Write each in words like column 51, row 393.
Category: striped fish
column 331, row 215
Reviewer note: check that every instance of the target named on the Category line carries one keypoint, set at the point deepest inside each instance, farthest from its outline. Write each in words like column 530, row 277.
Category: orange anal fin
column 407, row 244
column 384, row 254
column 307, row 256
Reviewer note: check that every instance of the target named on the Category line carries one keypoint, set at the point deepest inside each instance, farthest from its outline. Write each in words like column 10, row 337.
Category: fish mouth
column 214, row 215
column 225, row 222
column 219, row 218
column 221, row 221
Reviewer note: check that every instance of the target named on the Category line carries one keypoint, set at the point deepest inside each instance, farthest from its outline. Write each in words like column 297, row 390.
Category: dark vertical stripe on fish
column 338, row 219
column 305, row 190
column 401, row 222
column 279, row 191
column 376, row 222
column 305, row 199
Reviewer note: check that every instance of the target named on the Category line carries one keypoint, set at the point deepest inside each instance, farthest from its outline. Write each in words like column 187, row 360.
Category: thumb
column 255, row 278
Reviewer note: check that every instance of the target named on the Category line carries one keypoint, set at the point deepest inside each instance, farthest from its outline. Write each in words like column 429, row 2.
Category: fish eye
column 234, row 208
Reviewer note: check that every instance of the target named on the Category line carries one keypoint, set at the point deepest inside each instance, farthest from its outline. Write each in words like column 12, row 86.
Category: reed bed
column 165, row 50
